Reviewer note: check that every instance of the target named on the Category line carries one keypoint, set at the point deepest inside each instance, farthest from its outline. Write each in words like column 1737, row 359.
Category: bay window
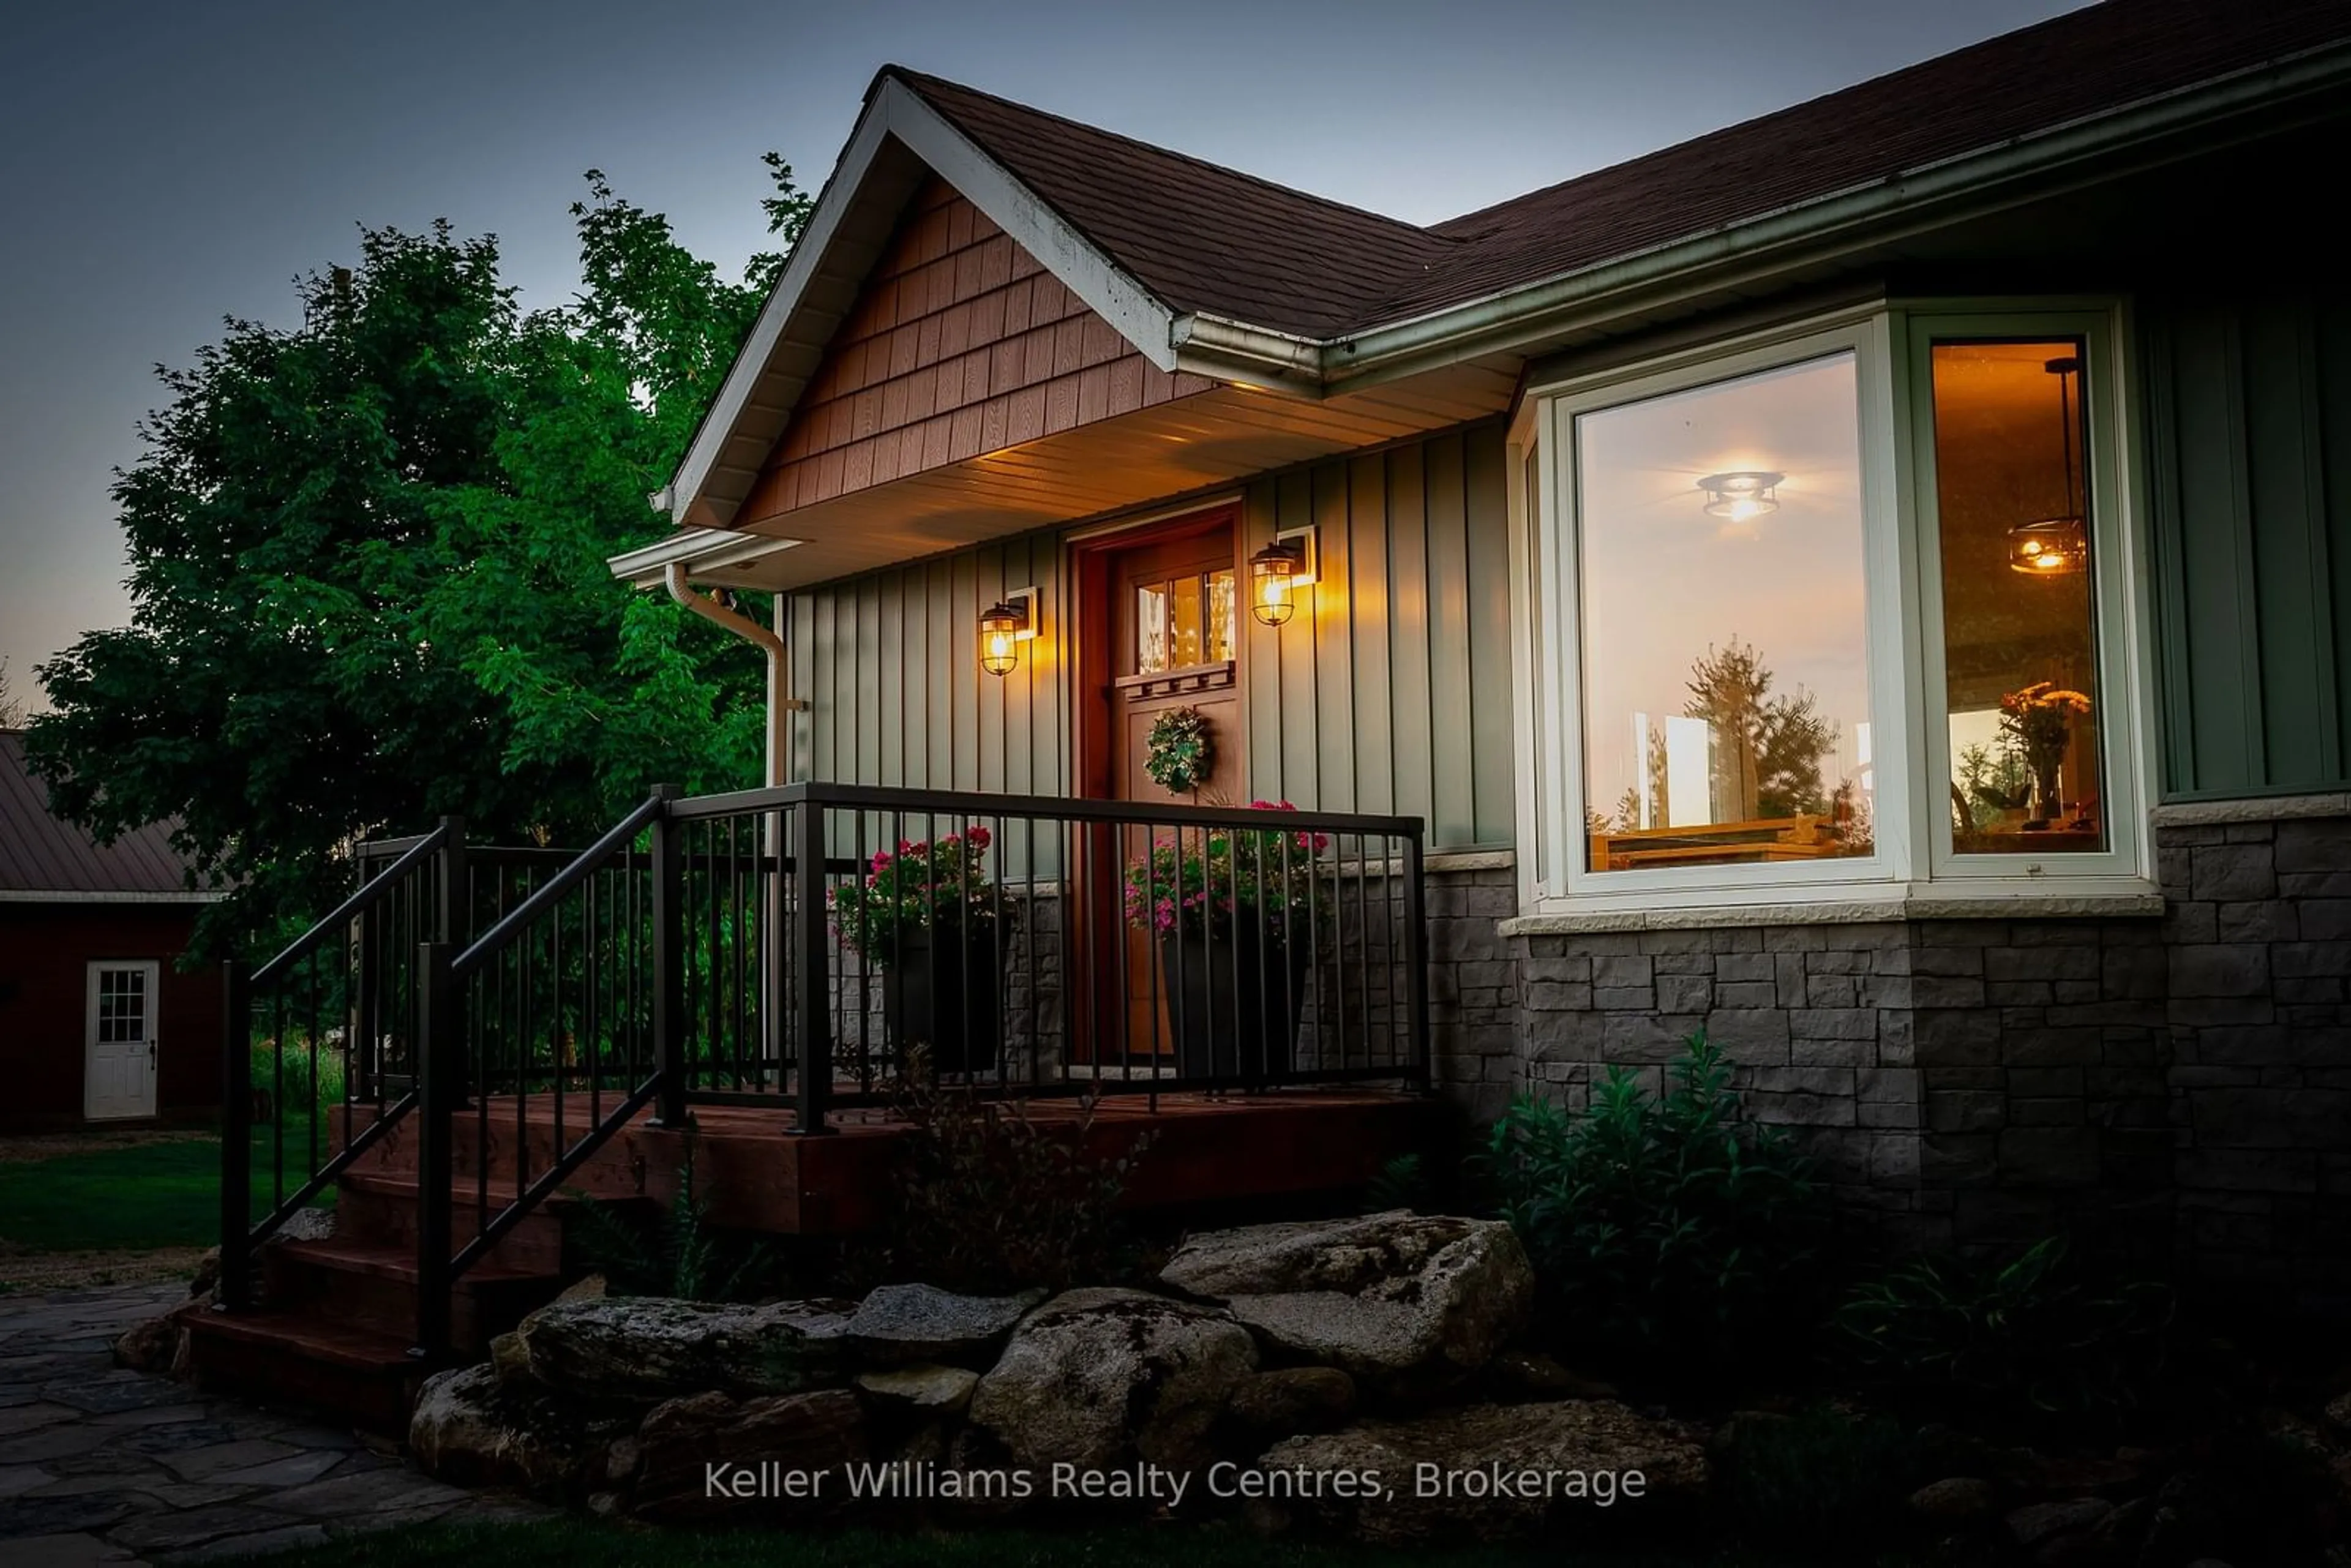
column 1829, row 616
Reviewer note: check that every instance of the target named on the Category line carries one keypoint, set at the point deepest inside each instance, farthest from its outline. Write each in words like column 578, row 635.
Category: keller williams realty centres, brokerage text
column 922, row 1481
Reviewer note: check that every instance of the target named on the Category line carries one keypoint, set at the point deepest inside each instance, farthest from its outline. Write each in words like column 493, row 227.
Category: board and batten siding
column 2248, row 447
column 1387, row 693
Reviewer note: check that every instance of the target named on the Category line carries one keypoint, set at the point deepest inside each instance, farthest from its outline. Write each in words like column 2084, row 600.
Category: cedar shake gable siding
column 961, row 343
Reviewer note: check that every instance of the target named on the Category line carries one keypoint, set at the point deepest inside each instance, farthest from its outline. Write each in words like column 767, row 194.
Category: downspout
column 780, row 706
column 774, row 916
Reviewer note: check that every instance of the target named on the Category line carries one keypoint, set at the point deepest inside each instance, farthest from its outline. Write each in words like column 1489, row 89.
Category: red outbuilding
column 99, row 1022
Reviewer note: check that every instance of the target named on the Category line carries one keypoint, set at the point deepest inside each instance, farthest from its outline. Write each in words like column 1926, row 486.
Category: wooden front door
column 1166, row 636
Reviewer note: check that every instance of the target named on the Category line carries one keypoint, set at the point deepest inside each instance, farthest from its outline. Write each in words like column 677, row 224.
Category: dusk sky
column 168, row 165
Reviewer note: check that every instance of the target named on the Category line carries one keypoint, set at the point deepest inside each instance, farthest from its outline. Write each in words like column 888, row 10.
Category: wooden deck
column 757, row 1176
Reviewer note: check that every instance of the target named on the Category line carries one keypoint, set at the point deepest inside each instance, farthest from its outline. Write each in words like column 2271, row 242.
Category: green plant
column 2032, row 1332
column 1820, row 1477
column 990, row 1198
column 1208, row 880
column 295, row 1082
column 1660, row 1223
column 676, row 1254
column 1180, row 752
column 1402, row 1183
column 1993, row 781
column 942, row 883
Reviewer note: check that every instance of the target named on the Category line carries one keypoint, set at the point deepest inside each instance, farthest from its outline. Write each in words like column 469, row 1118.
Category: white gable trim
column 895, row 112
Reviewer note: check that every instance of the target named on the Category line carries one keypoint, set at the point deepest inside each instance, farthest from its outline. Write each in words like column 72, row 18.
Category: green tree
column 368, row 573
column 1767, row 749
column 11, row 709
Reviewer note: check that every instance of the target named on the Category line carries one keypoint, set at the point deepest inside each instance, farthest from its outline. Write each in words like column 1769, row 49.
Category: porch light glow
column 1003, row 627
column 1741, row 494
column 1274, row 572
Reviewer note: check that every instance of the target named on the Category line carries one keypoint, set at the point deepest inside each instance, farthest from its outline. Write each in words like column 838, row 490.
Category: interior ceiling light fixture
column 2054, row 546
column 1741, row 493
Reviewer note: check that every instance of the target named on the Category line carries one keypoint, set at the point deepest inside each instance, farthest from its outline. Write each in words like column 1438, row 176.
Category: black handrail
column 581, row 866
column 989, row 807
column 368, row 895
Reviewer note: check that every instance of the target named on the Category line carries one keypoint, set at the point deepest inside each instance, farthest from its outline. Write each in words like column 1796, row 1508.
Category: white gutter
column 1212, row 346
column 703, row 549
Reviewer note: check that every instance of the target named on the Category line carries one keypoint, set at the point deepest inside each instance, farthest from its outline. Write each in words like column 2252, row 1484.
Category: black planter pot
column 1233, row 1001
column 946, row 992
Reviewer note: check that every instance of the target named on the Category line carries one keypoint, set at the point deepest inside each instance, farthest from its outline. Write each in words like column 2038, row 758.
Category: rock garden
column 1630, row 1325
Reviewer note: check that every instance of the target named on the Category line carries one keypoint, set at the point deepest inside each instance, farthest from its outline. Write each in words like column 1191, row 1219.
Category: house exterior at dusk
column 1872, row 583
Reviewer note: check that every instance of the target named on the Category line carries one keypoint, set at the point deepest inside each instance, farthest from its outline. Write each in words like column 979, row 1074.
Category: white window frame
column 1911, row 856
column 2122, row 738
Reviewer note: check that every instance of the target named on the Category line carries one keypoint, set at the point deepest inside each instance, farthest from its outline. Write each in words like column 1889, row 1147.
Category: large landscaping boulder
column 710, row 1458
column 1409, row 1304
column 473, row 1429
column 1491, row 1472
column 1102, row 1378
column 901, row 1323
column 650, row 1348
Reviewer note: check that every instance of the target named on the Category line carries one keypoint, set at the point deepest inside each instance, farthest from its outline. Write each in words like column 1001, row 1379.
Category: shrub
column 675, row 1254
column 1660, row 1223
column 989, row 1200
column 1819, row 1478
column 295, row 1094
column 2028, row 1334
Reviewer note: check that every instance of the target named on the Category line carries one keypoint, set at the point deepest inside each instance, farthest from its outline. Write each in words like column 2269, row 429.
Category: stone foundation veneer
column 2174, row 1088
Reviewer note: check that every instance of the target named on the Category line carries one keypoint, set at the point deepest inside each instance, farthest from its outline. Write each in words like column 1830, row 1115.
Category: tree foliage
column 12, row 708
column 1767, row 748
column 368, row 574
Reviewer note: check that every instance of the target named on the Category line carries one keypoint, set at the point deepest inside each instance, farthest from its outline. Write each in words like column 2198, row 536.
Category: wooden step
column 382, row 1207
column 372, row 1285
column 360, row 1375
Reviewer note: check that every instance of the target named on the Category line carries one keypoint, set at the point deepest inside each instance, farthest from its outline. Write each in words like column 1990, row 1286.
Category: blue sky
column 167, row 165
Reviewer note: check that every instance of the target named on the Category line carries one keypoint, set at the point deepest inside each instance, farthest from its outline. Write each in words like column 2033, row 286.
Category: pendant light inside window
column 2060, row 545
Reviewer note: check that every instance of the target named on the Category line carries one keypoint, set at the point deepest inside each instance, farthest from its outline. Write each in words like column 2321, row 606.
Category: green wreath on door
column 1180, row 751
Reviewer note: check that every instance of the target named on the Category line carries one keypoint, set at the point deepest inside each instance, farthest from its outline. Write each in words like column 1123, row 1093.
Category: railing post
column 236, row 1137
column 455, row 913
column 366, row 1019
column 813, row 1048
column 669, row 964
column 436, row 1086
column 1415, row 914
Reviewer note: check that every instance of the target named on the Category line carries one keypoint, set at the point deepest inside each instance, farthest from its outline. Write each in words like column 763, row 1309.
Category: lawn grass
column 574, row 1542
column 145, row 1196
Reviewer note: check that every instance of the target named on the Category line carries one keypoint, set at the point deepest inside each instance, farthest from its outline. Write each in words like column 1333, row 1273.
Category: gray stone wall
column 2175, row 1091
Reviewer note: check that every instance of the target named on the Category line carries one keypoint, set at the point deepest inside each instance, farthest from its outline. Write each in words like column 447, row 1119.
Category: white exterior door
column 119, row 1033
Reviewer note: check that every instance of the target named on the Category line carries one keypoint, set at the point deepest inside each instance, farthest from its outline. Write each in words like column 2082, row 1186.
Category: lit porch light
column 1003, row 627
column 1276, row 572
column 1741, row 494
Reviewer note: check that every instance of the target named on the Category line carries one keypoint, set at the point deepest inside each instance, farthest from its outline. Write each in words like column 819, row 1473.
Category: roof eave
column 1921, row 198
column 896, row 112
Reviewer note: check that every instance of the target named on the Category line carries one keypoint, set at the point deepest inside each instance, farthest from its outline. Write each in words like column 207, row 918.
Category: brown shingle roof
column 38, row 853
column 1209, row 239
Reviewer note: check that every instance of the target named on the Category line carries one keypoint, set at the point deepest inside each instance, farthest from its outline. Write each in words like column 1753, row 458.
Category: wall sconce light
column 1003, row 627
column 1277, row 571
column 1741, row 494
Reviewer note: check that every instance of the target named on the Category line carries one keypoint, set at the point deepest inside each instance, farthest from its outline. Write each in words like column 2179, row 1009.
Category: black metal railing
column 324, row 1031
column 805, row 947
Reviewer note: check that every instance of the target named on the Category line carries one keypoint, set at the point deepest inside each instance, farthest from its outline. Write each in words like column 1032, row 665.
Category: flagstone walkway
column 98, row 1465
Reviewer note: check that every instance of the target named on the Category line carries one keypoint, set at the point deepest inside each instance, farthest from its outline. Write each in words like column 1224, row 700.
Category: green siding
column 1392, row 694
column 2247, row 400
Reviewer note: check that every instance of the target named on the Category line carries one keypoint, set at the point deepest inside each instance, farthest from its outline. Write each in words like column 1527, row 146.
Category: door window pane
column 1221, row 616
column 1150, row 630
column 1725, row 642
column 1184, row 621
column 2019, row 648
